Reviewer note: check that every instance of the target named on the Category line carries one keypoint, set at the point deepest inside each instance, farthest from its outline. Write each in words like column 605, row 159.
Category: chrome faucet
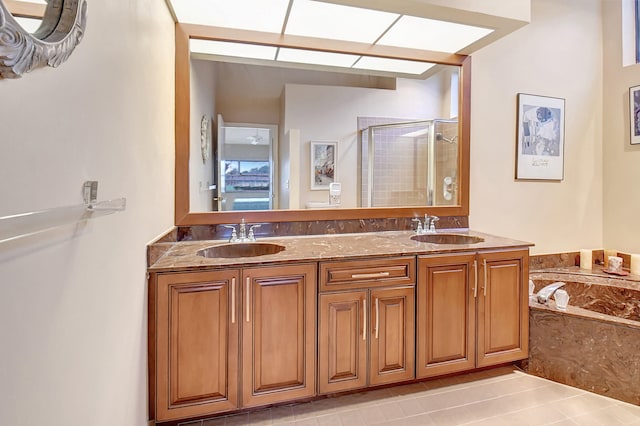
column 429, row 226
column 242, row 230
column 546, row 292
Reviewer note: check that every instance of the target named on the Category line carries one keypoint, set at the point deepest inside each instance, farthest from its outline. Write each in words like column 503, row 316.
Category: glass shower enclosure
column 409, row 163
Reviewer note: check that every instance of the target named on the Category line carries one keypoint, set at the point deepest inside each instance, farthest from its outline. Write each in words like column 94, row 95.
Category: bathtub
column 593, row 345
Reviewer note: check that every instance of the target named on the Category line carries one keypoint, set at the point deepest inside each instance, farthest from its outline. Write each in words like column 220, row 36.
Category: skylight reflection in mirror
column 221, row 50
column 392, row 65
column 29, row 24
column 316, row 57
column 238, row 50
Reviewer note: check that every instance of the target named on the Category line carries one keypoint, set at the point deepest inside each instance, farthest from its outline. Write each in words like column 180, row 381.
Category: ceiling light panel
column 392, row 65
column 239, row 50
column 428, row 34
column 337, row 22
column 316, row 57
column 256, row 15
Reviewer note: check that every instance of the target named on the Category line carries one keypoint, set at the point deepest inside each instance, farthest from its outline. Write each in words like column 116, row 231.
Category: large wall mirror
column 298, row 142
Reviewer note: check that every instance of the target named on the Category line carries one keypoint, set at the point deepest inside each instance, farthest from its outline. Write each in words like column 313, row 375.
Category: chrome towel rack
column 25, row 224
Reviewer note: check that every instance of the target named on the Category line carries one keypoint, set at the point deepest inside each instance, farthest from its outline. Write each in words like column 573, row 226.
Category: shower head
column 440, row 137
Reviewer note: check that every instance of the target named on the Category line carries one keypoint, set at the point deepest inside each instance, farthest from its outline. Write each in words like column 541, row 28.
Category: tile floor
column 497, row 397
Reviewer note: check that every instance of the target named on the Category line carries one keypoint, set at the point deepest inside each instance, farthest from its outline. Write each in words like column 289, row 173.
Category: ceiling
column 247, row 136
column 326, row 20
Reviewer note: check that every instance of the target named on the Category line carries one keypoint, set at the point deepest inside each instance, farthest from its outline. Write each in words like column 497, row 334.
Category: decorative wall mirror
column 35, row 33
column 450, row 197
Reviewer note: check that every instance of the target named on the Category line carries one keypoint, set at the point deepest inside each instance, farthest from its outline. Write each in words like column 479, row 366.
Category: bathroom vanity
column 327, row 314
column 294, row 318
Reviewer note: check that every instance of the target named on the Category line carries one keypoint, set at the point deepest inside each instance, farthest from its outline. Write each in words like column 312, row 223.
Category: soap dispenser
column 335, row 190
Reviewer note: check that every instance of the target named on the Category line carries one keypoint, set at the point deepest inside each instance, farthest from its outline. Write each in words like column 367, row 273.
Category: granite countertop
column 182, row 256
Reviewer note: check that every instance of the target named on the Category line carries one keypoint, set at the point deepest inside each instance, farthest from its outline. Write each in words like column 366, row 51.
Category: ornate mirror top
column 61, row 30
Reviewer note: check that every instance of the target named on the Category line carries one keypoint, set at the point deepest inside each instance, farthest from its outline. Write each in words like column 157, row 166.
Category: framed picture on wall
column 540, row 138
column 323, row 164
column 634, row 114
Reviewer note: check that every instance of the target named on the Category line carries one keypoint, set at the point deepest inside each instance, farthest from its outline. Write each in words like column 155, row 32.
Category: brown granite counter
column 180, row 256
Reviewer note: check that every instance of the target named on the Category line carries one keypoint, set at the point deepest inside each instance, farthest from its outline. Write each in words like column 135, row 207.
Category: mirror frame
column 184, row 217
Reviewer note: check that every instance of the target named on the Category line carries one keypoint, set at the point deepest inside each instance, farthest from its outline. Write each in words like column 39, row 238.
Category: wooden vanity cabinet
column 503, row 307
column 225, row 339
column 196, row 344
column 278, row 334
column 446, row 318
column 366, row 327
column 472, row 311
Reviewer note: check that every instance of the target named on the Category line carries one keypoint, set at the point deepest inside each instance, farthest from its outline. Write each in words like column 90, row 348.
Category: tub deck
column 594, row 344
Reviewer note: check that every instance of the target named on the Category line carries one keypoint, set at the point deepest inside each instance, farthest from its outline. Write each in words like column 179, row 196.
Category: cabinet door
column 342, row 335
column 392, row 344
column 447, row 288
column 197, row 344
column 503, row 307
column 278, row 334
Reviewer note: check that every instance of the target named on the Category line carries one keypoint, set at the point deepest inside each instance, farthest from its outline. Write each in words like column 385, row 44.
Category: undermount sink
column 447, row 239
column 241, row 250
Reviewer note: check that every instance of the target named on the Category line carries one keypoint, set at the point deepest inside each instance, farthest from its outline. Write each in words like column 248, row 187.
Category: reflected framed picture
column 323, row 164
column 540, row 138
column 634, row 114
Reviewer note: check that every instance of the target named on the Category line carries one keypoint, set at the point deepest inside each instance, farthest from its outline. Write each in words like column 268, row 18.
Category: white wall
column 558, row 54
column 201, row 171
column 621, row 159
column 73, row 320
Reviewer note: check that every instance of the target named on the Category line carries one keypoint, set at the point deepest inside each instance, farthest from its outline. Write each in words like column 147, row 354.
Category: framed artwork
column 323, row 164
column 540, row 139
column 634, row 114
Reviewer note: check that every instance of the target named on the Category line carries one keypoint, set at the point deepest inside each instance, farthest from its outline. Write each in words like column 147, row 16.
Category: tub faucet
column 546, row 292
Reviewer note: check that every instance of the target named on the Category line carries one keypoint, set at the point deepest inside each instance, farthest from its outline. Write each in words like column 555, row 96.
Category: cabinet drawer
column 367, row 273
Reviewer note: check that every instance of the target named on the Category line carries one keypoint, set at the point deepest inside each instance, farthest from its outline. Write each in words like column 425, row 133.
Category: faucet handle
column 419, row 227
column 234, row 232
column 252, row 236
column 434, row 219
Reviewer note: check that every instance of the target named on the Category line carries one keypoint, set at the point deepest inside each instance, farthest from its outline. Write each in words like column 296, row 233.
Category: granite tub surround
column 554, row 260
column 594, row 344
column 569, row 259
column 182, row 255
column 594, row 294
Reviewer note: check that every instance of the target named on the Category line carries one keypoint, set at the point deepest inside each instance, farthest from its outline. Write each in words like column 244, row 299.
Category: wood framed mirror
column 185, row 215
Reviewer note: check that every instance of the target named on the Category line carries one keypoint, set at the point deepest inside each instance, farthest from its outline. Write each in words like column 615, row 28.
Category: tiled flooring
column 497, row 397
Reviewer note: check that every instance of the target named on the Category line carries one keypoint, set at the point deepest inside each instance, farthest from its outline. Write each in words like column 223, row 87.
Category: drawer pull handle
column 373, row 275
column 475, row 281
column 364, row 319
column 248, row 300
column 233, row 300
